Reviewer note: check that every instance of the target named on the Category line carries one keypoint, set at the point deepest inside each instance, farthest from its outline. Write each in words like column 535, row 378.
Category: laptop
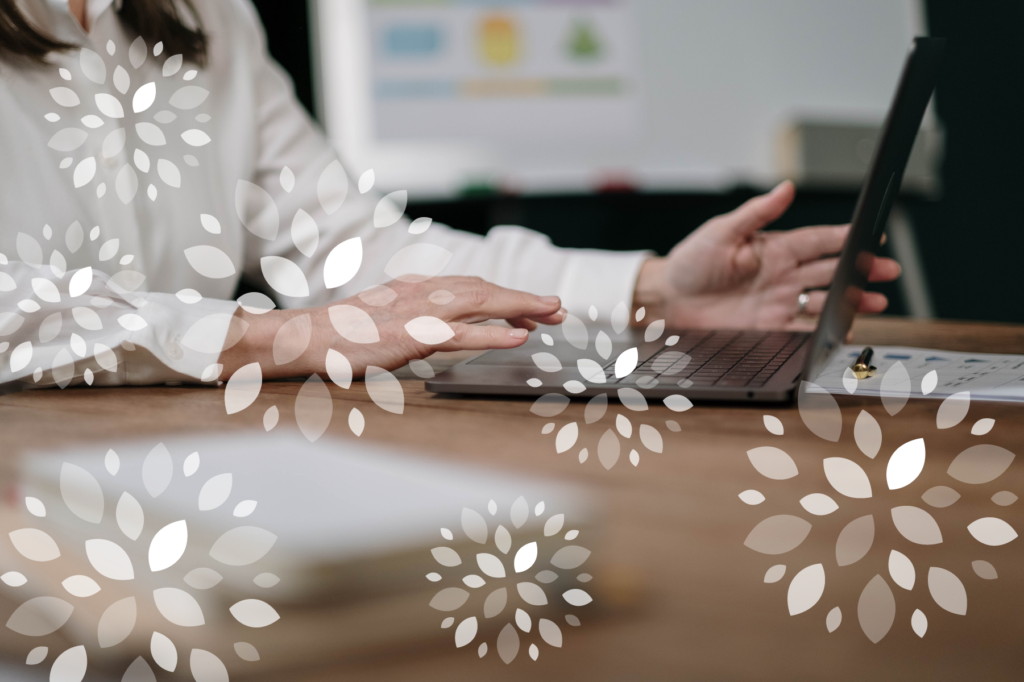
column 722, row 365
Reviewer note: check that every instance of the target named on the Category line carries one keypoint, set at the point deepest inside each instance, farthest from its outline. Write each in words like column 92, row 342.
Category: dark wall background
column 971, row 238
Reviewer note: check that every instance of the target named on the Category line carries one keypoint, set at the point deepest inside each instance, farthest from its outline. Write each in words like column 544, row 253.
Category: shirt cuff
column 602, row 279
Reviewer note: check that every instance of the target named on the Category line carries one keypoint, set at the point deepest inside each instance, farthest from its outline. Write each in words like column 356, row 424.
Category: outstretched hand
column 731, row 274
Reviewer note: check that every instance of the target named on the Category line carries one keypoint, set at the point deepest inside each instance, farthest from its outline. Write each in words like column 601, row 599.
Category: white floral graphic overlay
column 855, row 482
column 145, row 124
column 113, row 564
column 62, row 304
column 417, row 262
column 508, row 589
column 604, row 370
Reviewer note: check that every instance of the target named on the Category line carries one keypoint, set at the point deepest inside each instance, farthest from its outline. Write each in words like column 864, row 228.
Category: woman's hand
column 370, row 329
column 729, row 274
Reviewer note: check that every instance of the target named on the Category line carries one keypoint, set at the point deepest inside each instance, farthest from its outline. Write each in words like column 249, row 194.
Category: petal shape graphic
column 144, row 98
column 109, row 105
column 953, row 410
column 596, row 408
column 626, row 362
column 570, row 557
column 169, row 173
column 243, row 388
column 206, row 667
column 502, row 539
column 139, row 670
column 254, row 613
column 895, row 389
column 632, row 399
column 490, row 565
column 773, row 425
column 588, row 369
column 169, row 543
column 567, row 436
column 157, row 470
column 21, row 356
column 343, row 263
column 847, row 478
column 339, row 369
column 45, row 290
column 70, row 666
column 34, row 544
column 189, row 97
column 982, row 426
column 68, row 140
column 546, row 362
column 178, row 607
column 81, row 493
column 519, row 512
column 575, row 332
column 901, row 570
column 834, row 619
column 532, row 594
column 117, row 622
column 775, row 574
column 332, row 187
column 127, row 186
column 523, row 620
column 449, row 599
column 284, row 276
column 474, row 525
column 985, row 570
column 356, row 421
column 992, row 532
column 150, row 134
column 577, row 597
column 772, row 463
column 292, row 339
column 919, row 623
column 37, row 655
column 366, row 181
column 85, row 171
column 751, row 497
column 916, row 525
column 980, row 464
column 29, row 249
column 818, row 504
column 40, row 616
column 876, row 609
column 678, row 403
column 654, row 331
column 806, row 589
column 929, row 382
column 603, row 345
column 92, row 66
column 242, row 546
column 65, row 97
column 195, row 138
column 947, row 591
column 390, row 209
column 554, row 525
column 354, row 324
column 868, row 434
column 526, row 557
column 256, row 209
column 466, row 632
column 164, row 652
column 429, row 330
column 246, row 651
column 819, row 411
column 940, row 496
column 620, row 317
column 418, row 263
column 209, row 261
column 608, row 449
column 80, row 282
column 81, row 586
column 109, row 560
column 495, row 602
column 508, row 644
column 474, row 581
column 202, row 578
column 778, row 534
column 905, row 465
column 35, row 506
column 855, row 540
column 191, row 464
column 385, row 390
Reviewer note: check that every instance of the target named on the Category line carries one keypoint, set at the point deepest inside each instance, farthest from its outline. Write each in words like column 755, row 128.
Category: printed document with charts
column 987, row 376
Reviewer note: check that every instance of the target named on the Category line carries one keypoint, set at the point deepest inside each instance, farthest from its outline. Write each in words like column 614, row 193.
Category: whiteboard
column 704, row 88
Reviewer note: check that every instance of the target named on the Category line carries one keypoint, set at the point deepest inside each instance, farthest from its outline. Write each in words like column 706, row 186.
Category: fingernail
column 518, row 333
column 563, row 313
column 550, row 300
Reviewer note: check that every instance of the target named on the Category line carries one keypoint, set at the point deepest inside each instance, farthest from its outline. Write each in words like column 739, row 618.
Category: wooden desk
column 686, row 598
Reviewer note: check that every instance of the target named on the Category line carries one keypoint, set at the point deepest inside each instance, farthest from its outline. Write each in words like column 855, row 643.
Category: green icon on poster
column 584, row 43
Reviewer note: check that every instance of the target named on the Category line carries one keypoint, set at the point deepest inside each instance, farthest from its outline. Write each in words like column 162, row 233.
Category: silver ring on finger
column 801, row 303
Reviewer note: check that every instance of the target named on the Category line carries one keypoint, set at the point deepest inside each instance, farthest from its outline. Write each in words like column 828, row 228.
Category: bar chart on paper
column 503, row 69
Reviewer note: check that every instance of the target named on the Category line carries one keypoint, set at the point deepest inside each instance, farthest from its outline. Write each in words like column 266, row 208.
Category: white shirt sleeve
column 510, row 256
column 82, row 326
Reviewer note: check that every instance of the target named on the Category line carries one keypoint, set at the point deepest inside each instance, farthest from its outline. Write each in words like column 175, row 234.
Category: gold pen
column 862, row 369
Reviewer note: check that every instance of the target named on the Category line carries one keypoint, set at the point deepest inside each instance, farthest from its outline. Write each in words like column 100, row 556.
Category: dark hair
column 175, row 23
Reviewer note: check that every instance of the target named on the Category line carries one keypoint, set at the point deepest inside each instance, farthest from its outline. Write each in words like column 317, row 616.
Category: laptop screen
column 876, row 200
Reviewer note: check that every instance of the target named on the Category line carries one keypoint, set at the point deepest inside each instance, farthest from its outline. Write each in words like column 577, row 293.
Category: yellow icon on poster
column 499, row 40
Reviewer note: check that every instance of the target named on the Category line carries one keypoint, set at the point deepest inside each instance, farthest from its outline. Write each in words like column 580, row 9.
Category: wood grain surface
column 679, row 596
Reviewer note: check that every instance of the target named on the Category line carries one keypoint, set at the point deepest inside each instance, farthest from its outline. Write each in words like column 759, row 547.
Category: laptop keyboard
column 717, row 358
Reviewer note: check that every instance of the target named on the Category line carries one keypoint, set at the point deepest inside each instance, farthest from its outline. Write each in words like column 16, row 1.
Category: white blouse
column 137, row 191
